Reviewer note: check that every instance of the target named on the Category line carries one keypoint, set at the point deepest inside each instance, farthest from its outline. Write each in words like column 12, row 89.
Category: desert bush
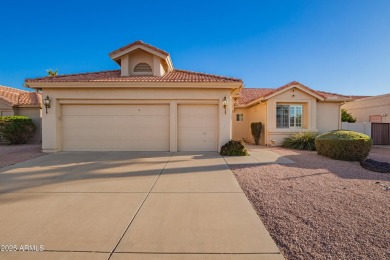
column 343, row 145
column 16, row 129
column 300, row 141
column 256, row 129
column 347, row 117
column 234, row 148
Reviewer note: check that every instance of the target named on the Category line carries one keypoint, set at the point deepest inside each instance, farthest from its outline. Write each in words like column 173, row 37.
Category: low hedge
column 234, row 148
column 300, row 141
column 16, row 129
column 343, row 145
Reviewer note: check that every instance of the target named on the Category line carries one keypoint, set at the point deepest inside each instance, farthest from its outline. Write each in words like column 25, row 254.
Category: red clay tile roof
column 294, row 83
column 330, row 95
column 17, row 97
column 115, row 76
column 248, row 95
column 139, row 43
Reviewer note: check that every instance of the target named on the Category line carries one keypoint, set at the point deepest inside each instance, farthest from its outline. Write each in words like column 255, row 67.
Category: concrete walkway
column 258, row 155
column 127, row 205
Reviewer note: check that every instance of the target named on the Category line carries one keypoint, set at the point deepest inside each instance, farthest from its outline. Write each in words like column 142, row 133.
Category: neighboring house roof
column 115, row 76
column 249, row 95
column 16, row 97
column 330, row 95
column 359, row 97
column 138, row 43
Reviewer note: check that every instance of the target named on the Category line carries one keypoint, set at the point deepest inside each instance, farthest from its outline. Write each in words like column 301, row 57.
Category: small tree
column 256, row 129
column 52, row 73
column 347, row 117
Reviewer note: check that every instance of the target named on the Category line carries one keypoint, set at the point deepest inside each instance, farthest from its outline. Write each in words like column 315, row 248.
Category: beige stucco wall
column 51, row 122
column 275, row 136
column 362, row 109
column 242, row 129
column 239, row 128
column 328, row 116
column 257, row 113
column 129, row 61
column 318, row 116
column 5, row 109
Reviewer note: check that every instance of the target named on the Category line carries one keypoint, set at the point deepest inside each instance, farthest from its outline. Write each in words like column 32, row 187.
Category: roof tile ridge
column 74, row 74
column 139, row 42
column 206, row 74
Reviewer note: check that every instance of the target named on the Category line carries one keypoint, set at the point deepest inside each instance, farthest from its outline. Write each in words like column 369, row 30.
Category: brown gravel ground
column 11, row 154
column 318, row 208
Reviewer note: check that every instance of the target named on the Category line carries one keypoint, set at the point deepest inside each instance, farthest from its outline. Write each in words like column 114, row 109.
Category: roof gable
column 127, row 57
column 138, row 45
column 291, row 85
column 249, row 96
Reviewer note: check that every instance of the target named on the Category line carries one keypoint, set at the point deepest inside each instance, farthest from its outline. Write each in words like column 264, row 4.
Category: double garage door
column 138, row 127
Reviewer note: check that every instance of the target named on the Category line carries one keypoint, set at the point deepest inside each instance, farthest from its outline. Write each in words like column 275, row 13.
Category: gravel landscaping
column 319, row 208
column 11, row 154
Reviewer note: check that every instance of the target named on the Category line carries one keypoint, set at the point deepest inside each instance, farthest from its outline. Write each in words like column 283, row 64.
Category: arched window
column 142, row 67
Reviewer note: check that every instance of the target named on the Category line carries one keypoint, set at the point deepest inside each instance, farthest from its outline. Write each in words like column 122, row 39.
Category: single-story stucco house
column 148, row 105
column 283, row 111
column 16, row 102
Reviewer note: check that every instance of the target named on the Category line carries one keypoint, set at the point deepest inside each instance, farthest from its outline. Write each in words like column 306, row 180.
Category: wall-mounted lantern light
column 46, row 102
column 224, row 103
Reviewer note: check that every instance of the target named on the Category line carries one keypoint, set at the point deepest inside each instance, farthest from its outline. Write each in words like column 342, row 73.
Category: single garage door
column 197, row 127
column 115, row 127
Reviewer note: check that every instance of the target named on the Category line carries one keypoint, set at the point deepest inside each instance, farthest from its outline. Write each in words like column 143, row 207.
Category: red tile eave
column 250, row 95
column 179, row 76
column 295, row 83
column 139, row 43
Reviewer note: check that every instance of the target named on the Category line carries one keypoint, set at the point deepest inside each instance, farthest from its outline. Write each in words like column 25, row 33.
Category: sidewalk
column 258, row 155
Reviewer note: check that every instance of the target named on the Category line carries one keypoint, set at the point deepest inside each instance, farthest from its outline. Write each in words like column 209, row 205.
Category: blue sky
column 340, row 46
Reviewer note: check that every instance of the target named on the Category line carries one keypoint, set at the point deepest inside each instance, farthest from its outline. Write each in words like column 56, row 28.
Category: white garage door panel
column 115, row 127
column 197, row 127
column 116, row 110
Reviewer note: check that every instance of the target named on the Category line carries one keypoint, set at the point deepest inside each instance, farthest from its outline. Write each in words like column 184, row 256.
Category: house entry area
column 139, row 127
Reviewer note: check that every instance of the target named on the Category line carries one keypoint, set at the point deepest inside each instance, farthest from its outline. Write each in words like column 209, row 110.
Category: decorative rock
column 375, row 166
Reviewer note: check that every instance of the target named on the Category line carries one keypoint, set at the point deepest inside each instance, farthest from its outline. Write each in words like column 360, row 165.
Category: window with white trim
column 239, row 117
column 289, row 116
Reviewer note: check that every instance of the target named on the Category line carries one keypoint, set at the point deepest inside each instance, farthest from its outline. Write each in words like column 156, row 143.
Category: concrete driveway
column 128, row 205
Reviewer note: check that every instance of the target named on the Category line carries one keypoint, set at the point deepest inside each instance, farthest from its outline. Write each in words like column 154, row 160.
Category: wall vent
column 142, row 67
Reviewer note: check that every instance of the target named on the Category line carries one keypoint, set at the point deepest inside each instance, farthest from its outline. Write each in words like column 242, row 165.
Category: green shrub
column 344, row 145
column 256, row 129
column 347, row 117
column 300, row 141
column 16, row 129
column 234, row 148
